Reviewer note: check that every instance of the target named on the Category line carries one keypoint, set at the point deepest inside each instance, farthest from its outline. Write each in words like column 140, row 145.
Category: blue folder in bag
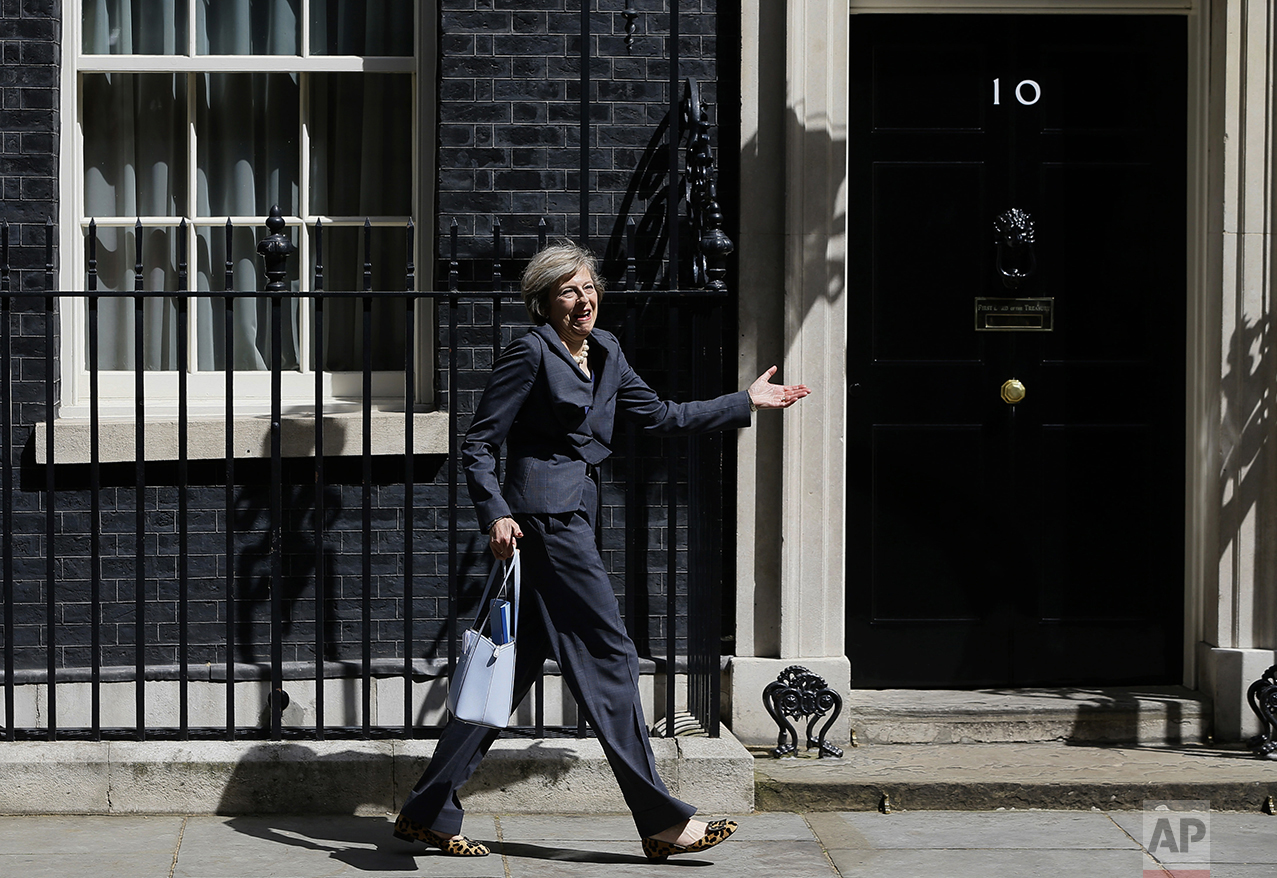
column 500, row 621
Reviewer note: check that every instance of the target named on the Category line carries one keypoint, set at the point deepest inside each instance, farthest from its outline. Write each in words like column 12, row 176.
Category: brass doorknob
column 1012, row 391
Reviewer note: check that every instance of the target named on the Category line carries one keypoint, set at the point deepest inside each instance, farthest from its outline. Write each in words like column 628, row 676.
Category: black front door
column 993, row 541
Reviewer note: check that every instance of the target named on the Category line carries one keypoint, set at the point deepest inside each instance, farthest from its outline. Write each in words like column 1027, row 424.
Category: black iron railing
column 664, row 527
column 689, row 474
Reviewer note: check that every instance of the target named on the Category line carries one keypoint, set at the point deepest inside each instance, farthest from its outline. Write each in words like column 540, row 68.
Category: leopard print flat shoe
column 716, row 832
column 410, row 830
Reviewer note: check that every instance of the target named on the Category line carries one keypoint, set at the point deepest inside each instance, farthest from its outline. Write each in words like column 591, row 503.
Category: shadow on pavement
column 363, row 843
column 572, row 855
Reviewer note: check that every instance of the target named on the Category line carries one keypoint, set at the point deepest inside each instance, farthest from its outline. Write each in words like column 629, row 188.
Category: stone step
column 518, row 776
column 990, row 777
column 1139, row 715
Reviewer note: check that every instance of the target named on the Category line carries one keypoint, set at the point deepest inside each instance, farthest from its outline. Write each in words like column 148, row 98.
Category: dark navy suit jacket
column 555, row 421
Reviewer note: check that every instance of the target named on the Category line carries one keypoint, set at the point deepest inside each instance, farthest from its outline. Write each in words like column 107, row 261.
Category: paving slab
column 960, row 844
column 548, row 859
column 278, row 846
column 56, row 846
column 982, row 864
column 983, row 777
column 826, row 844
column 550, row 845
column 1030, row 843
column 999, row 830
column 308, row 847
column 963, row 844
column 519, row 828
column 1235, row 839
column 65, row 834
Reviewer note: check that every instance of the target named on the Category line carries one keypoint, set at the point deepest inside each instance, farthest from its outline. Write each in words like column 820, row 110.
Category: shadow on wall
column 301, row 567
column 289, row 778
column 1247, row 503
column 767, row 285
column 302, row 527
column 317, row 570
column 762, row 182
column 370, row 778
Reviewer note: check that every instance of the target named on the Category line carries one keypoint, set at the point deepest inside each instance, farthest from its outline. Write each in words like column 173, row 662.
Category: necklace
column 582, row 355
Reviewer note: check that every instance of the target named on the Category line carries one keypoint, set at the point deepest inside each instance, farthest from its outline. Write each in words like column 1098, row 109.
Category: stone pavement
column 1027, row 844
column 954, row 810
column 985, row 777
column 769, row 845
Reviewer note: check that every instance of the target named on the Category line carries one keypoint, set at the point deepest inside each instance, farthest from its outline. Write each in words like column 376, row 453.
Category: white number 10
column 1019, row 92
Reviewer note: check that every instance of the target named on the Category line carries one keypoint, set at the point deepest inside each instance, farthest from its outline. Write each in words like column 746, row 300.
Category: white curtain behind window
column 247, row 127
column 360, row 169
column 134, row 27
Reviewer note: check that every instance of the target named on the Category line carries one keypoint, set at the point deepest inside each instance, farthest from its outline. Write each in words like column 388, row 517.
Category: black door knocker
column 1015, row 260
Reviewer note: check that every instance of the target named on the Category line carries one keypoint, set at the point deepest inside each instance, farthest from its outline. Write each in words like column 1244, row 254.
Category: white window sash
column 206, row 390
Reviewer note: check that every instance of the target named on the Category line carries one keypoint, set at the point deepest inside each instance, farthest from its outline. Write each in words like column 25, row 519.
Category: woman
column 553, row 398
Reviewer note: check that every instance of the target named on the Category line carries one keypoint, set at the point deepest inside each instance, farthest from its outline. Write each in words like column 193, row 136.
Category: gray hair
column 549, row 268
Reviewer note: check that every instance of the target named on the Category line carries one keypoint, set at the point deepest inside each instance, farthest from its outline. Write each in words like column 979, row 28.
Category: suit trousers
column 568, row 611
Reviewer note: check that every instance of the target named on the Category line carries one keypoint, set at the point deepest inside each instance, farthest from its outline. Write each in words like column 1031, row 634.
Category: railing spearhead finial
column 275, row 249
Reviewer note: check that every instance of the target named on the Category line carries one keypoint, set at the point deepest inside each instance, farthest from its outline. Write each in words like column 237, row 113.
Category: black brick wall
column 509, row 114
column 30, row 45
column 509, row 132
column 30, row 35
column 508, row 137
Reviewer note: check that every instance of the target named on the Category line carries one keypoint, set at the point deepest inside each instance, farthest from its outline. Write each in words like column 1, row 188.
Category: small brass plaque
column 1014, row 315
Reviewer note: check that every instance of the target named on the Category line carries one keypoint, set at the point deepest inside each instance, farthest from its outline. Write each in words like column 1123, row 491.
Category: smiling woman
column 553, row 399
column 573, row 311
column 562, row 289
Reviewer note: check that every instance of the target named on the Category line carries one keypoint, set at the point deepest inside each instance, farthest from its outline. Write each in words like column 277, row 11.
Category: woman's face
column 574, row 306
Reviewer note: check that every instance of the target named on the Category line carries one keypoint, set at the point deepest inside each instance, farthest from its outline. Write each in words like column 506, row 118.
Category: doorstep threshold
column 1109, row 714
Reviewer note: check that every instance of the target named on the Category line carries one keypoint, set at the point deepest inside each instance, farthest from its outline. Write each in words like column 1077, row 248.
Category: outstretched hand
column 765, row 395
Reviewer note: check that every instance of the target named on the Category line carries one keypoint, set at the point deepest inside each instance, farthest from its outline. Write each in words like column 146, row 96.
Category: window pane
column 361, row 144
column 248, row 27
column 134, row 144
column 250, row 316
column 116, row 255
column 134, row 27
column 343, row 345
column 361, row 27
column 246, row 125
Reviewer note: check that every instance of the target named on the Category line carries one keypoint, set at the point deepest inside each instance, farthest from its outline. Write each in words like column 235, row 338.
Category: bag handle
column 509, row 569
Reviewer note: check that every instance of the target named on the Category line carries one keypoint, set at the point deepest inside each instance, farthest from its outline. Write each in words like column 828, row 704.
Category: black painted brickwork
column 509, row 99
column 30, row 46
column 509, row 114
column 206, row 555
column 509, row 138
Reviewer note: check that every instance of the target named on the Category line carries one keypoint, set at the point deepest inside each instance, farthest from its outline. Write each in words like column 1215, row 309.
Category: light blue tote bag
column 482, row 685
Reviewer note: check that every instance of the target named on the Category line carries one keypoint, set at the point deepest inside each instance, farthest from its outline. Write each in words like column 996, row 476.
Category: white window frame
column 206, row 390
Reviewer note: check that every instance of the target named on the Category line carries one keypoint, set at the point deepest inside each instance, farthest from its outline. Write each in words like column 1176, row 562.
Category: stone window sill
column 206, row 436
